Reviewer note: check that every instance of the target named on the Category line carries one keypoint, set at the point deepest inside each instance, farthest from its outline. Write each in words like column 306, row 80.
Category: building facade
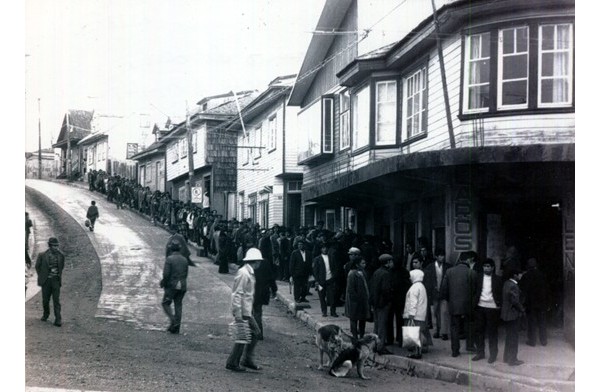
column 269, row 178
column 458, row 132
column 76, row 125
column 50, row 164
column 203, row 155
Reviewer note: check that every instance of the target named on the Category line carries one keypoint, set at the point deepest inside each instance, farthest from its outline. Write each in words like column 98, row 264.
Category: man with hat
column 326, row 272
column 242, row 299
column 49, row 266
column 174, row 282
column 380, row 289
column 300, row 270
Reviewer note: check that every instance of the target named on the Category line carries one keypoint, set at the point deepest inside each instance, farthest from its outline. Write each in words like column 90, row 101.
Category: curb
column 422, row 369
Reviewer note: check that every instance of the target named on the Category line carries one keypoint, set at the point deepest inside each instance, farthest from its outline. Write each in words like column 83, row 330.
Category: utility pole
column 443, row 72
column 68, row 148
column 188, row 132
column 39, row 141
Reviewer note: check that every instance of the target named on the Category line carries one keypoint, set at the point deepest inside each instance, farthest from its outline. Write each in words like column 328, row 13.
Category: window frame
column 534, row 71
column 376, row 102
column 424, row 94
column 500, row 63
column 466, row 63
column 354, row 112
column 258, row 139
column 272, row 126
column 571, row 74
column 345, row 95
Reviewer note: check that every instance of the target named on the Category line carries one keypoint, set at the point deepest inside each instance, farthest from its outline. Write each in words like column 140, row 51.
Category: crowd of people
column 466, row 300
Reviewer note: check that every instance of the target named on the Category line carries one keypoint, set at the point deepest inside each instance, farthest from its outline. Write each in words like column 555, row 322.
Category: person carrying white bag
column 415, row 315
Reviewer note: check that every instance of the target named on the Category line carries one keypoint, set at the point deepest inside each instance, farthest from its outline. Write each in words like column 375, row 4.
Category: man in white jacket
column 242, row 298
column 415, row 310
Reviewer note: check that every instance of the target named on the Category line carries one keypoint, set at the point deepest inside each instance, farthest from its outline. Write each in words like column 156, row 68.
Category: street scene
column 379, row 195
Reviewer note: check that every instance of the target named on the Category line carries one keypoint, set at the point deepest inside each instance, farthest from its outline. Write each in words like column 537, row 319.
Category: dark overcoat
column 458, row 287
column 357, row 296
column 42, row 268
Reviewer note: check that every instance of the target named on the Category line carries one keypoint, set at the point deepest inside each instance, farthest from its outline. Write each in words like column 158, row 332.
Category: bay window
column 316, row 130
column 344, row 120
column 385, row 113
column 360, row 118
column 556, row 64
column 528, row 66
column 414, row 104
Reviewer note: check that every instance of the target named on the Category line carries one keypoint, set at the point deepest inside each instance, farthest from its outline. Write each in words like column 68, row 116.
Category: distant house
column 50, row 164
column 114, row 140
column 151, row 161
column 214, row 153
column 76, row 125
column 269, row 179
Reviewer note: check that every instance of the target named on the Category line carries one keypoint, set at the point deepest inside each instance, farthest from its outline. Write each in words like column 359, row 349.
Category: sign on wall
column 132, row 149
column 197, row 194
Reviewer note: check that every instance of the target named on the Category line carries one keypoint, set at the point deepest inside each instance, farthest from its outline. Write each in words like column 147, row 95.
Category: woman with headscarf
column 415, row 310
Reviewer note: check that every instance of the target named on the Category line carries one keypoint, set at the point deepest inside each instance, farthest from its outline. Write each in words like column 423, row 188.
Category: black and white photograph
column 285, row 195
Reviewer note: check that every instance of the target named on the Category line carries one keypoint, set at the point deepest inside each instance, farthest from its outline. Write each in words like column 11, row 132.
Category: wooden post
column 39, row 141
column 68, row 148
column 188, row 130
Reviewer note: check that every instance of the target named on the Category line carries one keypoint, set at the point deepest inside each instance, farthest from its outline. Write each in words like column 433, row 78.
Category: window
column 414, row 102
column 555, row 65
column 344, row 120
column 263, row 206
column 195, row 141
column 174, row 152
column 252, row 208
column 385, row 113
column 360, row 118
column 316, row 130
column 272, row 133
column 258, row 142
column 246, row 150
column 330, row 220
column 294, row 186
column 513, row 66
column 183, row 146
column 241, row 215
column 522, row 67
column 477, row 84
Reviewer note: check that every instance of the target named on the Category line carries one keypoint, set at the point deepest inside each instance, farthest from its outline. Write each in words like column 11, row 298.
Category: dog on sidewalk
column 330, row 341
column 355, row 355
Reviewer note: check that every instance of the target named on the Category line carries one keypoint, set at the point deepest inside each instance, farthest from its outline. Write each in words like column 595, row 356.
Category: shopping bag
column 87, row 223
column 411, row 336
column 240, row 332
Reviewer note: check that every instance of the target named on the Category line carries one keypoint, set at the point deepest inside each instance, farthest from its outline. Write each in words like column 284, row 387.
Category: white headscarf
column 416, row 275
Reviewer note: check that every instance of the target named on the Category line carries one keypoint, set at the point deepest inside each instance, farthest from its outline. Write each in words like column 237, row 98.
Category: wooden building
column 457, row 128
column 76, row 125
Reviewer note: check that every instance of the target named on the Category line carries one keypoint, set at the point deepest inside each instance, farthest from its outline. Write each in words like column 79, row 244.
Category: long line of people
column 467, row 300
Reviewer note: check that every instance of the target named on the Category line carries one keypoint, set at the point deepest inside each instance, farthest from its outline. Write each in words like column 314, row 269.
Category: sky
column 153, row 58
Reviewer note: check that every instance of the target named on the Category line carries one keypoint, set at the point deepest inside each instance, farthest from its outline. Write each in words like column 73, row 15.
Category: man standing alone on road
column 49, row 266
column 92, row 214
column 242, row 299
column 174, row 282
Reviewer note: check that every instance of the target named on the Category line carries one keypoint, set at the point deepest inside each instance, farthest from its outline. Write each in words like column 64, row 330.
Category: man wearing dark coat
column 380, row 289
column 357, row 294
column 434, row 275
column 533, row 285
column 264, row 289
column 512, row 309
column 326, row 272
column 458, row 288
column 49, row 266
column 400, row 285
column 488, row 297
column 184, row 249
column 174, row 282
column 92, row 214
column 300, row 270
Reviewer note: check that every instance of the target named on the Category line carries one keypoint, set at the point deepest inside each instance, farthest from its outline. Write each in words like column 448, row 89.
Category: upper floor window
column 272, row 133
column 183, row 147
column 385, row 113
column 344, row 120
column 360, row 118
column 195, row 141
column 173, row 152
column 555, row 65
column 316, row 130
column 258, row 142
column 414, row 104
column 513, row 68
column 522, row 67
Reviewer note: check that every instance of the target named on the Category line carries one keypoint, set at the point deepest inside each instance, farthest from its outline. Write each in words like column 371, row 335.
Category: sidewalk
column 549, row 368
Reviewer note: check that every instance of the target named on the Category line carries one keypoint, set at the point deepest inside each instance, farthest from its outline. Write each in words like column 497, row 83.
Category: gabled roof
column 278, row 88
column 80, row 125
column 157, row 147
column 92, row 137
column 331, row 18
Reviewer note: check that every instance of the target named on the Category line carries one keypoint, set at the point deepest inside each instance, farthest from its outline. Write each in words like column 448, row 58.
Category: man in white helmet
column 242, row 299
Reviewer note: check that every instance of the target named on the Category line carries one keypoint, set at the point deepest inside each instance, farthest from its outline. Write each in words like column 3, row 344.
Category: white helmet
column 253, row 254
